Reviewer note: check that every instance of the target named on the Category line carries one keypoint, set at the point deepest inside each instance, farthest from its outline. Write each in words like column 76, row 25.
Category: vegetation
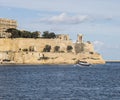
column 43, row 58
column 48, row 34
column 15, row 33
column 25, row 50
column 88, row 42
column 62, row 51
column 79, row 47
column 82, row 47
column 91, row 52
column 31, row 48
column 47, row 48
column 69, row 48
column 56, row 48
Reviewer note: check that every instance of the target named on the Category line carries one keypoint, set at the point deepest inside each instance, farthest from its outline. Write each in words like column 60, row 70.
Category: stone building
column 79, row 38
column 6, row 24
column 63, row 37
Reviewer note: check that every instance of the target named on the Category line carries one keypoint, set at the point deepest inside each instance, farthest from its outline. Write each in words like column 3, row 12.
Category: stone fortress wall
column 17, row 44
column 7, row 44
column 12, row 50
column 18, row 50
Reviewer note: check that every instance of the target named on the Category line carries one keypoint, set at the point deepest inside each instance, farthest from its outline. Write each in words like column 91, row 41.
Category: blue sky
column 97, row 20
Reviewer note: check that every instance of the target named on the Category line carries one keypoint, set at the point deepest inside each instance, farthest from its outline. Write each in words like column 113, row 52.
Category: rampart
column 17, row 51
column 7, row 44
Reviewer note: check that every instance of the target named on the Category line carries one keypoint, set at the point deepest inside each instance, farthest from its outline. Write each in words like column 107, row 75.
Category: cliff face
column 30, row 51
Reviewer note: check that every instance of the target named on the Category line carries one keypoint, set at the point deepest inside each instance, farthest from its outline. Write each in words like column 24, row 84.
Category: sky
column 97, row 20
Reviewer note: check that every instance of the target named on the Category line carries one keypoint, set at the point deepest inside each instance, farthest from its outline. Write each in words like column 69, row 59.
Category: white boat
column 83, row 63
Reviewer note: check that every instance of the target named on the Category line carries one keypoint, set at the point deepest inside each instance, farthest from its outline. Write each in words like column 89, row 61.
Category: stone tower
column 79, row 38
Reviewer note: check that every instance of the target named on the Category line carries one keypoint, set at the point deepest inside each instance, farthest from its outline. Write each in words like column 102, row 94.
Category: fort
column 60, row 50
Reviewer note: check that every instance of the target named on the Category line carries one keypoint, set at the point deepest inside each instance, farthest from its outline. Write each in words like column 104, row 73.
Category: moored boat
column 84, row 63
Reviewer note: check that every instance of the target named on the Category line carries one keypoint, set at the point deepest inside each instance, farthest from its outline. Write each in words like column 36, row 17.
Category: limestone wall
column 88, row 47
column 83, row 47
column 39, row 44
column 11, row 49
column 52, row 58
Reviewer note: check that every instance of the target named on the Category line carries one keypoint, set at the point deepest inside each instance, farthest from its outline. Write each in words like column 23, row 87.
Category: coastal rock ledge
column 60, row 50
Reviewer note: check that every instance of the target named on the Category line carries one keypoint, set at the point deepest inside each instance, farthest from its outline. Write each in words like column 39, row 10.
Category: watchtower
column 79, row 38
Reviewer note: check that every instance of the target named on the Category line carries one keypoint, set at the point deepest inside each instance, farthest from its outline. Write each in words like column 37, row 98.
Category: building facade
column 6, row 24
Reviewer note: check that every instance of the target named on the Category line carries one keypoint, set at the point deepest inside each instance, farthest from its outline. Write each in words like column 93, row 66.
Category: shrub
column 62, row 51
column 56, row 48
column 88, row 42
column 48, row 34
column 47, row 48
column 15, row 33
column 69, row 48
column 91, row 52
column 25, row 50
column 31, row 48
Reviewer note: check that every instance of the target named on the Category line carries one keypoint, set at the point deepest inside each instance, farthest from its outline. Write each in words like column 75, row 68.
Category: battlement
column 63, row 36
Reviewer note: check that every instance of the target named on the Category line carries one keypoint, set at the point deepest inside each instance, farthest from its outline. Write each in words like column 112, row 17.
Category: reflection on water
column 60, row 82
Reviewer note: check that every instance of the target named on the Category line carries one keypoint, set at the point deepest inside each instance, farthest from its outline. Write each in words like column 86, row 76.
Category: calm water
column 60, row 82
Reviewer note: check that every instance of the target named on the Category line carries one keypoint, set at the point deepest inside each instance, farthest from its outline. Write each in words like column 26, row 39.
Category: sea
column 60, row 82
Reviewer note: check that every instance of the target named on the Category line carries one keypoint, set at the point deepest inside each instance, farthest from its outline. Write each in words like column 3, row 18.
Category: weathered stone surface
column 13, row 50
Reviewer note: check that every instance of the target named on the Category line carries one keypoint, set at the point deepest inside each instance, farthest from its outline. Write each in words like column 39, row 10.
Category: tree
column 69, row 48
column 26, row 34
column 47, row 48
column 25, row 49
column 10, row 30
column 14, row 32
column 52, row 35
column 56, row 48
column 35, row 34
column 46, row 34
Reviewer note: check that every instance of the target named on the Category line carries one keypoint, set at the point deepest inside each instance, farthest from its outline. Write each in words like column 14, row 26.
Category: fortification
column 79, row 38
column 59, row 50
column 63, row 37
column 6, row 24
column 46, row 51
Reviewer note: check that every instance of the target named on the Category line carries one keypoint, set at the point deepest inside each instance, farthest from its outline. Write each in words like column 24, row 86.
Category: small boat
column 84, row 63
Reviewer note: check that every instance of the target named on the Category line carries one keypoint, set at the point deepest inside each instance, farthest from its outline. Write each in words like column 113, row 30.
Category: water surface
column 60, row 82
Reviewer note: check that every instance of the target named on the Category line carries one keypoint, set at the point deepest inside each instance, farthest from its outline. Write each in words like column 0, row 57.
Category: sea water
column 60, row 82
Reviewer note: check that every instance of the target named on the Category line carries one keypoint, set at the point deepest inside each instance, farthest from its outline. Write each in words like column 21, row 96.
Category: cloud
column 64, row 18
column 101, row 45
column 70, row 6
column 109, row 18
column 98, row 45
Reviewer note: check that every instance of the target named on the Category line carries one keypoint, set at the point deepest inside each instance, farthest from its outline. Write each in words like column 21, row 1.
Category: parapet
column 63, row 36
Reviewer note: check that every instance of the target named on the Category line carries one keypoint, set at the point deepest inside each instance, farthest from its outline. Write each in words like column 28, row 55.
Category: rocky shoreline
column 53, row 58
column 47, row 51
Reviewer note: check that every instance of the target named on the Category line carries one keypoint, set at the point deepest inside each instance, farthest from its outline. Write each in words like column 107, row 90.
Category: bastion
column 60, row 50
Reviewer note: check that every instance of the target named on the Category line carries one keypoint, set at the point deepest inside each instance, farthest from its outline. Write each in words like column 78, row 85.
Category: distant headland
column 112, row 61
column 24, row 47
